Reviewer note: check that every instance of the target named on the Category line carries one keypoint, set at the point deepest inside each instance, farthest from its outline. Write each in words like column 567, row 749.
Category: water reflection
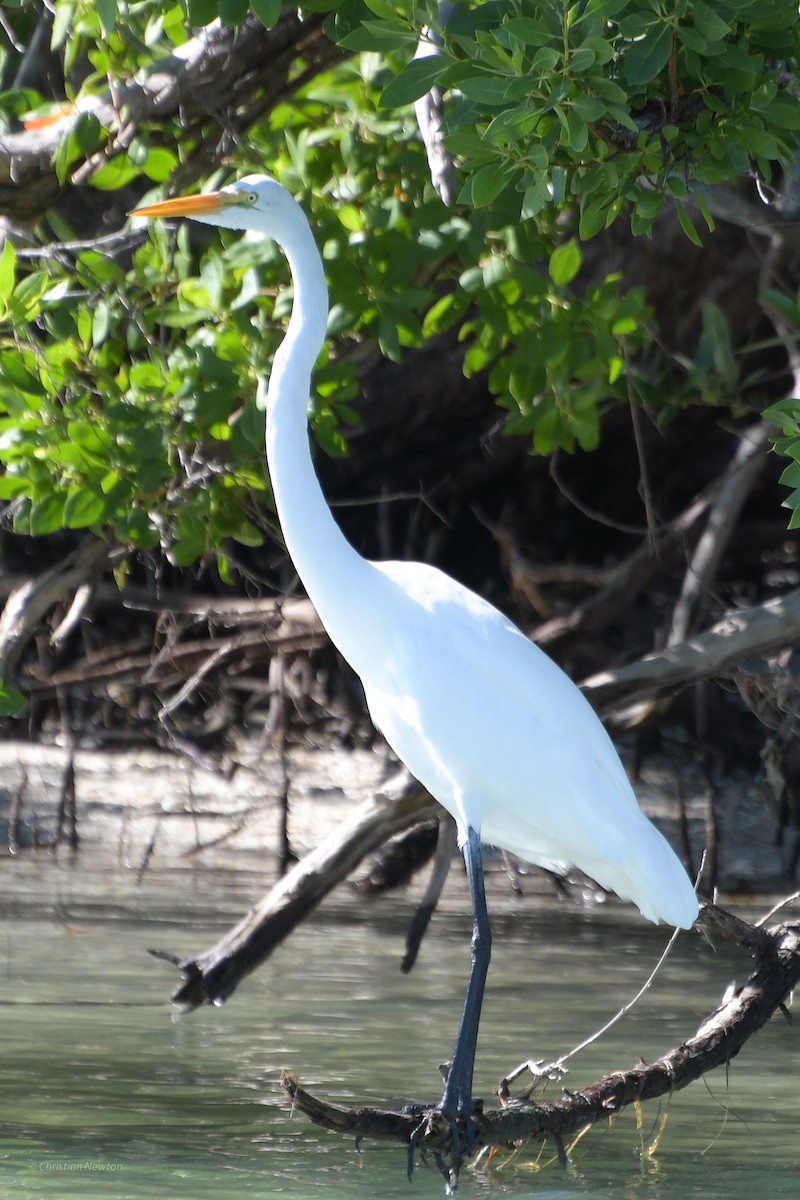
column 105, row 1093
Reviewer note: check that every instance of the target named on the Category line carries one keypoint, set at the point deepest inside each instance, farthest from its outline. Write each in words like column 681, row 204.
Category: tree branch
column 214, row 975
column 719, row 1038
column 736, row 485
column 222, row 77
column 27, row 605
column 745, row 632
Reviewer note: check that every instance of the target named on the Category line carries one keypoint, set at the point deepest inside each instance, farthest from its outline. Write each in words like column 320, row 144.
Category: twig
column 624, row 1010
column 628, row 579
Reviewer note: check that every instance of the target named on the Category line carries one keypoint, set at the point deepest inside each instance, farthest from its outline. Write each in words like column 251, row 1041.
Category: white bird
column 479, row 714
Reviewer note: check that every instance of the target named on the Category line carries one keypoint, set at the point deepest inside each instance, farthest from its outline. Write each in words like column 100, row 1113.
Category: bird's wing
column 509, row 745
column 462, row 686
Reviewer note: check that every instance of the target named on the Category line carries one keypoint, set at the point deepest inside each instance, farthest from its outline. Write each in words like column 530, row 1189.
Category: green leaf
column 115, row 174
column 445, row 313
column 107, row 12
column 646, row 57
column 101, row 323
column 709, row 23
column 29, row 292
column 593, row 217
column 785, row 414
column 134, row 528
column 581, row 59
column 546, row 60
column 84, row 507
column 484, row 88
column 527, row 31
column 248, row 534
column 702, row 204
column 100, row 268
column 487, row 183
column 63, row 21
column 82, row 140
column 202, row 12
column 232, row 12
column 12, row 702
column 382, row 8
column 47, row 515
column 14, row 372
column 565, row 262
column 415, row 79
column 382, row 36
column 687, row 225
column 191, row 541
column 267, row 11
column 160, row 165
column 692, row 38
column 12, row 486
column 786, row 306
column 588, row 108
column 8, row 265
column 783, row 111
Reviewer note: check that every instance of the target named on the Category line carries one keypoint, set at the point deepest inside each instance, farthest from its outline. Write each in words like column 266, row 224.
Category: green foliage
column 786, row 415
column 156, row 445
column 12, row 702
column 128, row 380
column 617, row 103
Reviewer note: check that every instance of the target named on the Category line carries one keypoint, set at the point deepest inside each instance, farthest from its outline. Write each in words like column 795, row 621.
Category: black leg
column 456, row 1101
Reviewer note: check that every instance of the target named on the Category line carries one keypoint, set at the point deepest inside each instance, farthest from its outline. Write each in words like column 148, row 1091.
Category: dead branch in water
column 719, row 1038
column 213, row 976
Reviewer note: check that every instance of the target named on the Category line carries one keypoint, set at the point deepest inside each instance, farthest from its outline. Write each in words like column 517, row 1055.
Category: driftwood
column 213, row 976
column 267, row 625
column 718, row 1039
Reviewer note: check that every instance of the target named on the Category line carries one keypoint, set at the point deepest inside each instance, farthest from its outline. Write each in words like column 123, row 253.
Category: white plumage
column 481, row 716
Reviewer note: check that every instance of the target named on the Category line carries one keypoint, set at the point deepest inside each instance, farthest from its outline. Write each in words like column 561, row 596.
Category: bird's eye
column 251, row 197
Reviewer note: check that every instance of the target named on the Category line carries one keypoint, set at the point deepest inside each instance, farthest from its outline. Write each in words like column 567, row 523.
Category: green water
column 106, row 1093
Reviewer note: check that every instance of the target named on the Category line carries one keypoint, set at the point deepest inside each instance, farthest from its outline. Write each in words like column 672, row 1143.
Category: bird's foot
column 449, row 1130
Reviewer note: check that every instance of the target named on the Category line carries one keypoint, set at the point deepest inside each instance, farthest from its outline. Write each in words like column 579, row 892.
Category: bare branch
column 215, row 974
column 742, row 633
column 719, row 1038
column 446, row 850
column 627, row 579
column 745, row 468
column 26, row 606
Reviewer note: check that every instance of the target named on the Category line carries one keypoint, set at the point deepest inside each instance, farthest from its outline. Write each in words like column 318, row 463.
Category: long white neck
column 331, row 571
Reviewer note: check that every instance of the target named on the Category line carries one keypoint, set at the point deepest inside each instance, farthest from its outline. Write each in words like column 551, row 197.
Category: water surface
column 106, row 1093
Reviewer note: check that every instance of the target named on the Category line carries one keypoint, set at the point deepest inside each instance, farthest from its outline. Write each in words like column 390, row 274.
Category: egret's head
column 255, row 202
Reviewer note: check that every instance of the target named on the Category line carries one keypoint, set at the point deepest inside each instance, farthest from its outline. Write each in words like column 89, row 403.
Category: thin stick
column 626, row 1008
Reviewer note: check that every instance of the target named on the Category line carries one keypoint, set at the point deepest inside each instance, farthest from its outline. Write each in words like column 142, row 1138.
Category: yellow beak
column 184, row 206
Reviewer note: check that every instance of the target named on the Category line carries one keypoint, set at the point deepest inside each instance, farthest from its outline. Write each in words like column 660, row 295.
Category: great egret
column 479, row 714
